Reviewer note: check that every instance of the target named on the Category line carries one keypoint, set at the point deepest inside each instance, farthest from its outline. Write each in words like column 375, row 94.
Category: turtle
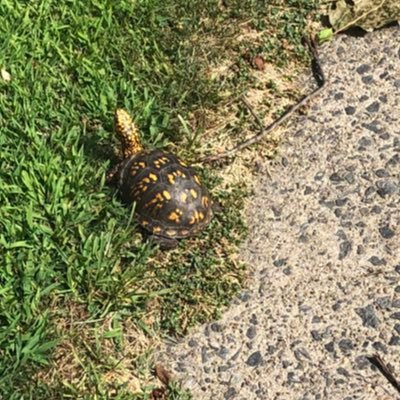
column 171, row 201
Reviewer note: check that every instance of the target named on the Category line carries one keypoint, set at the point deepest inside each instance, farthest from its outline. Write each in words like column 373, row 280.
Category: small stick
column 252, row 112
column 321, row 81
column 384, row 370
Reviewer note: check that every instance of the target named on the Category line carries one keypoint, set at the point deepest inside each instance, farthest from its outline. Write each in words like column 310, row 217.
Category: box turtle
column 171, row 202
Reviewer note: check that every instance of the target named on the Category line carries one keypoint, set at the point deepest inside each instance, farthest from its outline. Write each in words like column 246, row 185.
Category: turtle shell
column 170, row 199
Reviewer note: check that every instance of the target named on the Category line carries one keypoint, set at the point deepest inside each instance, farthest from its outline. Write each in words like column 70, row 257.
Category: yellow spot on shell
column 167, row 195
column 157, row 199
column 153, row 177
column 178, row 172
column 156, row 229
column 141, row 164
column 197, row 179
column 183, row 164
column 184, row 197
column 204, row 201
column 193, row 193
column 171, row 179
column 145, row 180
column 184, row 232
column 194, row 218
column 170, row 232
column 173, row 216
column 159, row 161
column 134, row 168
column 144, row 223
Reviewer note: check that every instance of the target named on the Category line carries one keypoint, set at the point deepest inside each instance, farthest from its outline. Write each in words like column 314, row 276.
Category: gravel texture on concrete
column 323, row 248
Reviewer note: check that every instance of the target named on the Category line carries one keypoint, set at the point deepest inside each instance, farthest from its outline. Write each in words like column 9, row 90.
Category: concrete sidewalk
column 323, row 247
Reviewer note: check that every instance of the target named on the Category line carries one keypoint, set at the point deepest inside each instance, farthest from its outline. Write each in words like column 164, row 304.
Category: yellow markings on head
column 156, row 229
column 153, row 177
column 193, row 193
column 167, row 195
column 205, row 201
column 171, row 179
column 127, row 133
column 184, row 197
column 197, row 179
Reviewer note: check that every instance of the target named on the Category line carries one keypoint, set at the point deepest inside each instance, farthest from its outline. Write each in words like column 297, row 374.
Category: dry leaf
column 162, row 374
column 5, row 75
column 259, row 63
column 367, row 14
column 159, row 394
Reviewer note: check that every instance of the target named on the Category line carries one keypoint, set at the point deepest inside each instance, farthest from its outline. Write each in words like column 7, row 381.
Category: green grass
column 68, row 250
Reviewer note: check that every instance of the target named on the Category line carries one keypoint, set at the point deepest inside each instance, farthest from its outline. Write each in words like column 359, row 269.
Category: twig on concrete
column 321, row 81
column 384, row 370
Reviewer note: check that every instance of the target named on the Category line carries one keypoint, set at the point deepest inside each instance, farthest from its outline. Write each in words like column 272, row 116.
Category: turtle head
column 127, row 133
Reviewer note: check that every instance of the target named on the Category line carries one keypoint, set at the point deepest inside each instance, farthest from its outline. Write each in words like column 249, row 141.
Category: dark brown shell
column 170, row 198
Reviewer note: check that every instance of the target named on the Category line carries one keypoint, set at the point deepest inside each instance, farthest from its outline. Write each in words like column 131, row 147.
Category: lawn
column 82, row 298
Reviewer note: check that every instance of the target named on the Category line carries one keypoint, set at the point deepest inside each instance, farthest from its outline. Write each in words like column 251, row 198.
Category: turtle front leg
column 112, row 175
column 164, row 243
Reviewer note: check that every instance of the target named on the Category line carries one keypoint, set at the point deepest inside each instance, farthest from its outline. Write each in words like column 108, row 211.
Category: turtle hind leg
column 165, row 243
